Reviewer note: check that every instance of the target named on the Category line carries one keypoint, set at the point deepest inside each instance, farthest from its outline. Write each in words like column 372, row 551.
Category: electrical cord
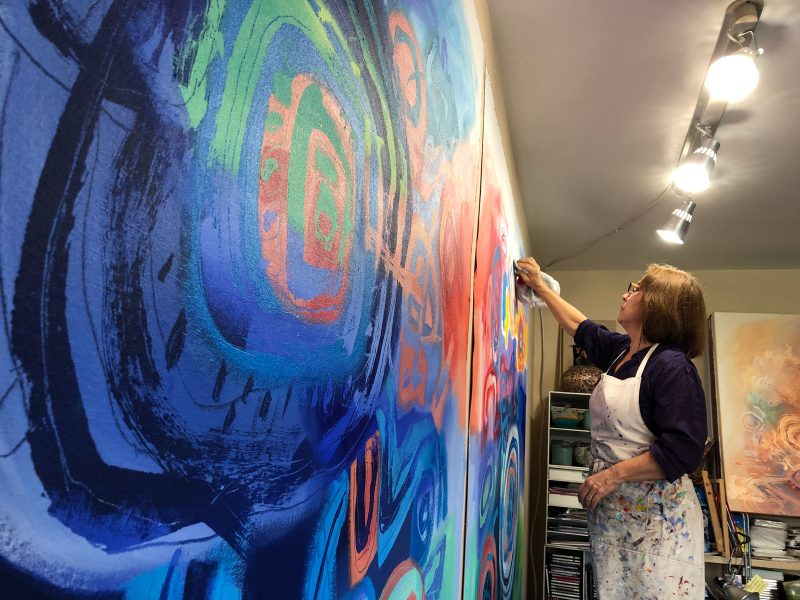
column 635, row 217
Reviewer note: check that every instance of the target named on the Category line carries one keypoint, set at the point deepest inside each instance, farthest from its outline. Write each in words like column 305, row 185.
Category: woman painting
column 648, row 432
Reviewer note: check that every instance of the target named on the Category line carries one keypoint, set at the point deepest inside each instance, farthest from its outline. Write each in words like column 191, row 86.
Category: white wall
column 599, row 295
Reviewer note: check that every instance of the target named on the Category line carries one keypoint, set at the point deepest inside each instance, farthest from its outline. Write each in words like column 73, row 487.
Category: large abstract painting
column 495, row 508
column 757, row 377
column 236, row 244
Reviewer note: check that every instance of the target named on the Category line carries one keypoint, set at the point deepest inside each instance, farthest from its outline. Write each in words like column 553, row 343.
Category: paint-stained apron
column 646, row 537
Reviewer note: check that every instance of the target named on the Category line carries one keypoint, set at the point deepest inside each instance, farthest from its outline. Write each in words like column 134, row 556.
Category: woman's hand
column 598, row 486
column 531, row 274
column 639, row 468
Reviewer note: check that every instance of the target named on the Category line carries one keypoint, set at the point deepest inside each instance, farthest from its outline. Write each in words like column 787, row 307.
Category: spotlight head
column 733, row 77
column 693, row 174
column 677, row 226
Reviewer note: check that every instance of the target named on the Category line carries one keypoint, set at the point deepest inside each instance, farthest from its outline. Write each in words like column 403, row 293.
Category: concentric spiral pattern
column 509, row 512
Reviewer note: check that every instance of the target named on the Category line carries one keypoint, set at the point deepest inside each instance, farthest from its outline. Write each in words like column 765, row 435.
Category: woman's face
column 631, row 312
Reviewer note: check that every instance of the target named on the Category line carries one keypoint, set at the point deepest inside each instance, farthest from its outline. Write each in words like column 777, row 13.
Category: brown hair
column 674, row 309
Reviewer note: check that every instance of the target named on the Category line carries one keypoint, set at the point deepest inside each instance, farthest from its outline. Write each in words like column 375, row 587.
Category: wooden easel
column 721, row 541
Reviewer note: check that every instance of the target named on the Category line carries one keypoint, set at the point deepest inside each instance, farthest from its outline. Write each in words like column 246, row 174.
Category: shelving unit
column 568, row 572
column 772, row 564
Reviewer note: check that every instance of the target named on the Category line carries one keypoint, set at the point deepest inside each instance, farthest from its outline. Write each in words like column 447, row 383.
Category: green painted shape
column 259, row 26
column 282, row 88
column 325, row 166
column 450, row 586
column 268, row 168
column 471, row 559
column 210, row 44
column 311, row 115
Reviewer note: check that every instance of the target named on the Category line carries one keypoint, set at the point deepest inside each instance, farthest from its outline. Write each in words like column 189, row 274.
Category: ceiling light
column 733, row 77
column 693, row 174
column 677, row 226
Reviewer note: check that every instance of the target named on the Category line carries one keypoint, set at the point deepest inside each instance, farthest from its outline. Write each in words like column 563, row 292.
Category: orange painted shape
column 405, row 583
column 413, row 374
column 333, row 254
column 367, row 517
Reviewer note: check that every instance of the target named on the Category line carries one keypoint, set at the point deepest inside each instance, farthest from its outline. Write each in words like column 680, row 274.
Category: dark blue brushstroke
column 162, row 274
column 198, row 580
column 177, row 337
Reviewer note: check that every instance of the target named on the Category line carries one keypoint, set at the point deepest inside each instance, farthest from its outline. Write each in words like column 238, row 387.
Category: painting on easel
column 756, row 362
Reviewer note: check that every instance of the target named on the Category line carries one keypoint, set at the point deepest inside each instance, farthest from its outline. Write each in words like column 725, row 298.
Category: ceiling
column 599, row 99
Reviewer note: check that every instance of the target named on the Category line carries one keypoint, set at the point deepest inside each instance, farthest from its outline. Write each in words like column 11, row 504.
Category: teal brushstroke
column 321, row 573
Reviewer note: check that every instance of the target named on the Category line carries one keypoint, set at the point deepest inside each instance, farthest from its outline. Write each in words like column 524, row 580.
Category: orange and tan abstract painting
column 757, row 372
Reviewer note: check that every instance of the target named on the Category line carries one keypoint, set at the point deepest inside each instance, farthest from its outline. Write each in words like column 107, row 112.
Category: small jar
column 582, row 455
column 561, row 453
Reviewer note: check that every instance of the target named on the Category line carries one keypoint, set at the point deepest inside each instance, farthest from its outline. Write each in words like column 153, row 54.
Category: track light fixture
column 698, row 156
column 677, row 226
column 731, row 76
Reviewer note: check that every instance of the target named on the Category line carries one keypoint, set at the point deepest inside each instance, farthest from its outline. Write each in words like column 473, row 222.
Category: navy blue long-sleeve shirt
column 671, row 397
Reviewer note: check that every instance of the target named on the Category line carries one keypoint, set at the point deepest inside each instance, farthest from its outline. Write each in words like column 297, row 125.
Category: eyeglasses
column 634, row 287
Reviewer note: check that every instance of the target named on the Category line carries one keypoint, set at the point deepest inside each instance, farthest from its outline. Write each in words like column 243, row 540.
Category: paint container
column 561, row 453
column 582, row 455
column 587, row 420
column 792, row 589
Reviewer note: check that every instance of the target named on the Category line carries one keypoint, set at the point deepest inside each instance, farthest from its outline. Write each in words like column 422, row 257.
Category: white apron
column 646, row 537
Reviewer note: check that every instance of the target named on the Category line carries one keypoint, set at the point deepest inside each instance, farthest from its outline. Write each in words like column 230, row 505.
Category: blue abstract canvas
column 236, row 248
